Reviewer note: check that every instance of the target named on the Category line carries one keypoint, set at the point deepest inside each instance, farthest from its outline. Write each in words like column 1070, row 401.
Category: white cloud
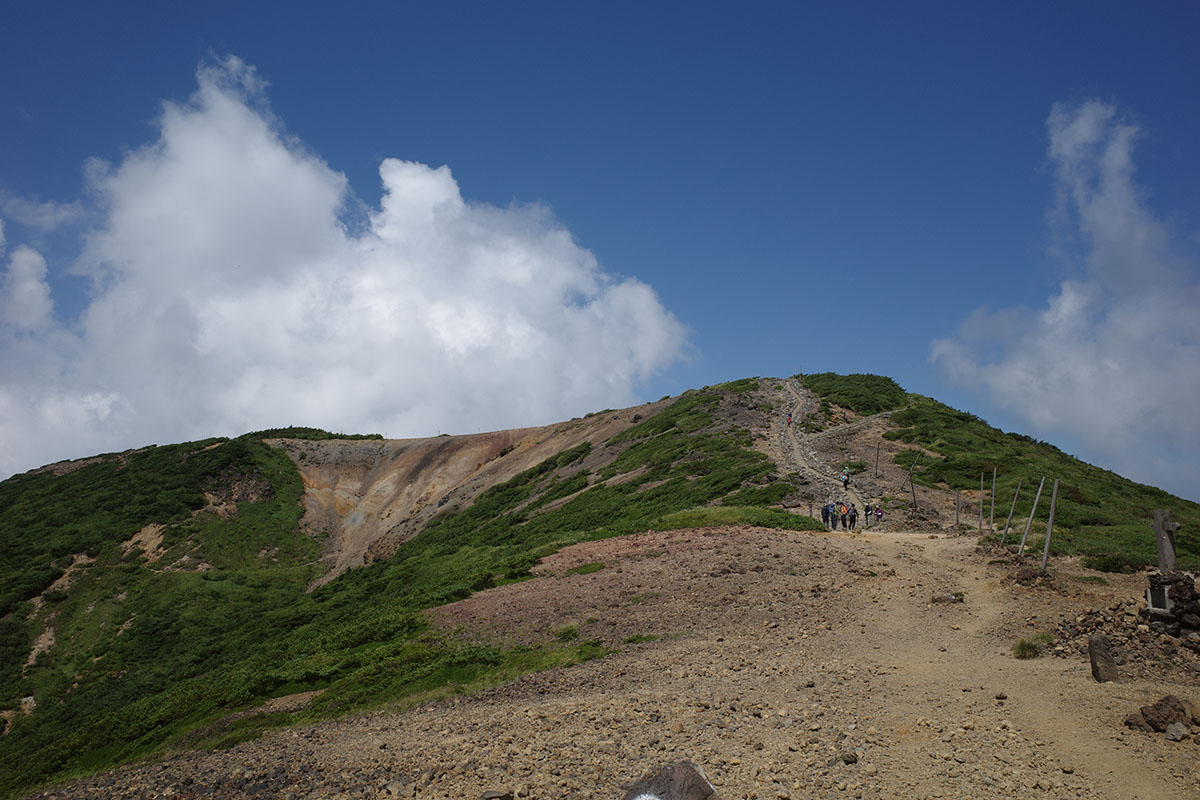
column 25, row 303
column 1113, row 359
column 229, row 296
column 42, row 216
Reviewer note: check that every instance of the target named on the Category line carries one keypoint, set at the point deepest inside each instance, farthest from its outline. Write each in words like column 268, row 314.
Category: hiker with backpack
column 853, row 516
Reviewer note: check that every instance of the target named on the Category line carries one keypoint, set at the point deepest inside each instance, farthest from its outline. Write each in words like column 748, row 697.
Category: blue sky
column 992, row 203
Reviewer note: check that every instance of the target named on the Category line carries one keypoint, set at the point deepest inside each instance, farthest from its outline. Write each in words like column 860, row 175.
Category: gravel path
column 789, row 665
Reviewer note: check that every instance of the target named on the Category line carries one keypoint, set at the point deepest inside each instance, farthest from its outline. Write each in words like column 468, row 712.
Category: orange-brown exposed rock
column 370, row 495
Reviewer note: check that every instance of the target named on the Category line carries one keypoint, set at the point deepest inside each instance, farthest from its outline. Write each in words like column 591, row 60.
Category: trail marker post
column 1050, row 525
column 956, row 493
column 1164, row 533
column 1038, row 496
column 877, row 459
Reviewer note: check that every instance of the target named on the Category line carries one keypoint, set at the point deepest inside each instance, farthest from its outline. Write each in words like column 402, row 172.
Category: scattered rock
column 1138, row 722
column 1177, row 732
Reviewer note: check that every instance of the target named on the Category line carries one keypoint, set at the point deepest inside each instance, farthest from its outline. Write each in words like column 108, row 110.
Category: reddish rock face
column 371, row 495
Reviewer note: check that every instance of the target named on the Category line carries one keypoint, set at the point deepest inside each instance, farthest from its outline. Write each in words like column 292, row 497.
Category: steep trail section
column 796, row 446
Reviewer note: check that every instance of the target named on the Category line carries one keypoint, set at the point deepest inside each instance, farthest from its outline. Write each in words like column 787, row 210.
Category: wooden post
column 981, row 504
column 1038, row 496
column 992, row 517
column 1011, row 509
column 1164, row 533
column 956, row 492
column 877, row 459
column 1050, row 525
column 910, row 471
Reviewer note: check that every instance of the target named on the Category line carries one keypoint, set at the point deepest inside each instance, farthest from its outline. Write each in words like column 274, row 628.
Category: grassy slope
column 1099, row 513
column 147, row 658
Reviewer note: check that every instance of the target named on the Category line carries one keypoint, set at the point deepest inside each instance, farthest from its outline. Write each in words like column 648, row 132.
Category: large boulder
column 1167, row 710
column 1104, row 667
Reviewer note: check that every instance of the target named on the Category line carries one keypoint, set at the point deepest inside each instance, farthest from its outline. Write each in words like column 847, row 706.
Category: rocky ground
column 787, row 665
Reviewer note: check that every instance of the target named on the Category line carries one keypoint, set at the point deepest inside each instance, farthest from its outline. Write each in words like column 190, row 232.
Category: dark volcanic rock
column 1167, row 710
column 680, row 781
column 1104, row 668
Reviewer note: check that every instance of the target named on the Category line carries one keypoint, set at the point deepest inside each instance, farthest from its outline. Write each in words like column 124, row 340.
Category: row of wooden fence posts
column 1011, row 509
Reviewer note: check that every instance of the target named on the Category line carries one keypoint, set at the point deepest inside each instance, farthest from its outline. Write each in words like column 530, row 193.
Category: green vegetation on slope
column 154, row 654
column 1099, row 513
column 862, row 394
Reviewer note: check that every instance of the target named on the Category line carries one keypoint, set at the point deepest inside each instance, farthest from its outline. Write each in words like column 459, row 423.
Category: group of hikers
column 847, row 514
column 835, row 512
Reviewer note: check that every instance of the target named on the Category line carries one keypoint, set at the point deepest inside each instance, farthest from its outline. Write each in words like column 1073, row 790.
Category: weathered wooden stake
column 877, row 459
column 1038, row 496
column 981, row 504
column 956, row 492
column 992, row 518
column 1050, row 525
column 908, row 477
column 1164, row 533
column 1011, row 509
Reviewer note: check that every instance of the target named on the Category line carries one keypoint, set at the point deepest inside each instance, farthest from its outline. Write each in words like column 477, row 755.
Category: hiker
column 879, row 513
column 845, row 480
column 867, row 514
column 825, row 515
column 789, row 418
column 845, row 512
column 853, row 516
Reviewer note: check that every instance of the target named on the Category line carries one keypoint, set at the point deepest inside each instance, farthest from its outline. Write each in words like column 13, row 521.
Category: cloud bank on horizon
column 1113, row 358
column 229, row 293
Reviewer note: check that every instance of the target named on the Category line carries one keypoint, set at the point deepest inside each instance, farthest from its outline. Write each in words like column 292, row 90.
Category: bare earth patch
column 789, row 665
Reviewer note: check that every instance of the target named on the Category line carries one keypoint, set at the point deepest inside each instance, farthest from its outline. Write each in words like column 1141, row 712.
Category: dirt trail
column 790, row 665
column 796, row 446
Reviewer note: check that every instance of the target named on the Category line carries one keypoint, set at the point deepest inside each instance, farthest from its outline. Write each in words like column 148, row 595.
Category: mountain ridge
column 262, row 603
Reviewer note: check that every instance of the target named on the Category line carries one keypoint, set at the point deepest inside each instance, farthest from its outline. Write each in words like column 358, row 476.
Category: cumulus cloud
column 229, row 295
column 1113, row 358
